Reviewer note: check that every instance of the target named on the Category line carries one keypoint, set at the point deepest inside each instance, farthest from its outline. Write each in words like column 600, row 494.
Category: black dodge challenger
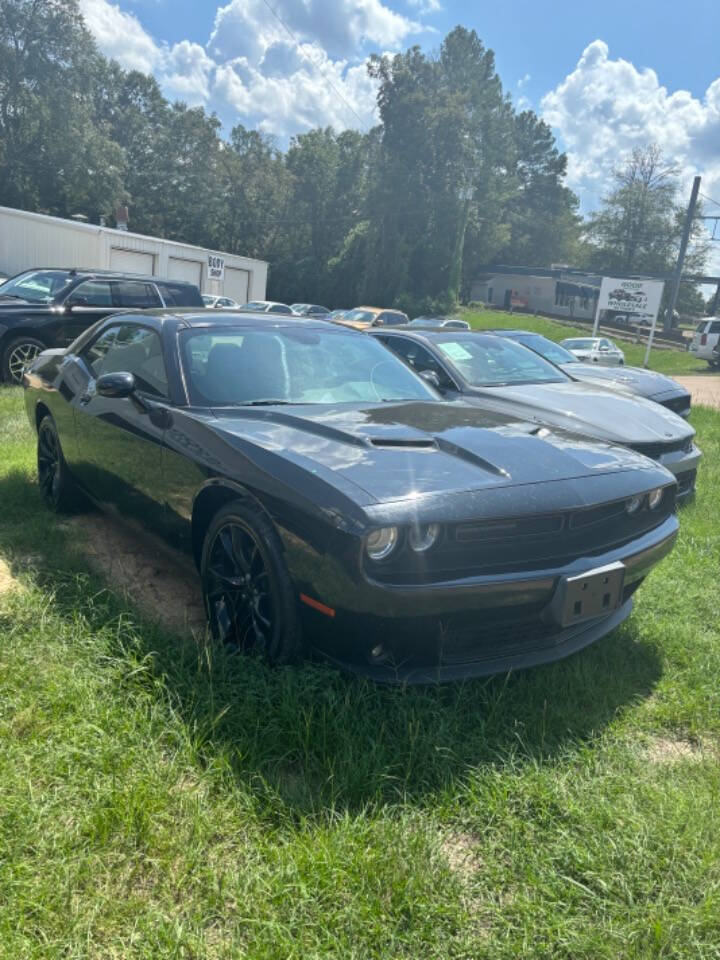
column 332, row 501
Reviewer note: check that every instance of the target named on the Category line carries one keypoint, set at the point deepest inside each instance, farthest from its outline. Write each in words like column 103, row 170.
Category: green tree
column 640, row 222
column 54, row 155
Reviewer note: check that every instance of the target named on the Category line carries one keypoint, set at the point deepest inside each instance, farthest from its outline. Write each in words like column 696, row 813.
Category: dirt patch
column 162, row 584
column 7, row 580
column 666, row 750
column 460, row 850
column 705, row 390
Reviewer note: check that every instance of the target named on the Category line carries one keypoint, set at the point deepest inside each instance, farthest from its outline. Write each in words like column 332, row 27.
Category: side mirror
column 429, row 376
column 115, row 386
column 379, row 322
column 76, row 302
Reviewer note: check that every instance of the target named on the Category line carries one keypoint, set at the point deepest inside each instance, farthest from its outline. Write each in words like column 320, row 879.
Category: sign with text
column 216, row 267
column 636, row 298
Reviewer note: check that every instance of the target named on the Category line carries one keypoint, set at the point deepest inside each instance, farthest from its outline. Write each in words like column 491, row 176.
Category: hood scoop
column 403, row 443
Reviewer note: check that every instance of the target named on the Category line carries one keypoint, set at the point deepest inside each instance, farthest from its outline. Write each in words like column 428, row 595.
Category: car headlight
column 381, row 543
column 655, row 498
column 422, row 537
column 633, row 504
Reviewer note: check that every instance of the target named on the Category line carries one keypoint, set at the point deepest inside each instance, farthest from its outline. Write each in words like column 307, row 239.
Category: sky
column 606, row 76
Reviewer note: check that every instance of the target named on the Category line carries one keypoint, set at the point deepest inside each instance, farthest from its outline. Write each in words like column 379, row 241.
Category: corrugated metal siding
column 34, row 240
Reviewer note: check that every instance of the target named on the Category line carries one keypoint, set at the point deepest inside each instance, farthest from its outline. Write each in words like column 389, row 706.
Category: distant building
column 30, row 240
column 560, row 292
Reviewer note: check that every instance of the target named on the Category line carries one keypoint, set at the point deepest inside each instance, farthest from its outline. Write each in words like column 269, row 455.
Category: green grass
column 672, row 361
column 158, row 799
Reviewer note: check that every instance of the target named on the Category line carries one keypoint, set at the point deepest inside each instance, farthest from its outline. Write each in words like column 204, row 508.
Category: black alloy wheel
column 56, row 485
column 249, row 598
column 17, row 355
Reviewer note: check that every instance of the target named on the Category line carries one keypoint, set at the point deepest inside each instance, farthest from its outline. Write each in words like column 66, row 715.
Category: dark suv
column 51, row 307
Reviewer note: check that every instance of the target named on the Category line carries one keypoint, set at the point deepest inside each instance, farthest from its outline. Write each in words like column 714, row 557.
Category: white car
column 267, row 306
column 219, row 303
column 595, row 350
column 706, row 340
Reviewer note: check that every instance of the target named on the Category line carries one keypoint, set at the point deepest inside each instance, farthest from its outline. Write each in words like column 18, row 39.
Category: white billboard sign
column 638, row 300
column 216, row 267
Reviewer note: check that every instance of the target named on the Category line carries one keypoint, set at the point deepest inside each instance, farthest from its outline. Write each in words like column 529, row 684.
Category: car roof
column 193, row 317
column 428, row 333
column 107, row 275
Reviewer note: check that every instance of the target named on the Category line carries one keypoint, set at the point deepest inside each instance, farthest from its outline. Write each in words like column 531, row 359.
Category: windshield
column 582, row 344
column 493, row 361
column 38, row 286
column 548, row 349
column 360, row 316
column 243, row 366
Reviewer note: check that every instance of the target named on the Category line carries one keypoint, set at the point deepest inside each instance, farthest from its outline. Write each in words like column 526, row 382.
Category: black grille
column 510, row 544
column 656, row 450
column 686, row 482
column 678, row 404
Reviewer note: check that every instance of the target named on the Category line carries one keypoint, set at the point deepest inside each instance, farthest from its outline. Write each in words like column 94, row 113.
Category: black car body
column 412, row 538
column 50, row 307
column 543, row 392
column 643, row 383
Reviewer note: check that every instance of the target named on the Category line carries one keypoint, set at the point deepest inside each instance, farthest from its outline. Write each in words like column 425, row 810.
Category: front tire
column 17, row 354
column 249, row 597
column 57, row 487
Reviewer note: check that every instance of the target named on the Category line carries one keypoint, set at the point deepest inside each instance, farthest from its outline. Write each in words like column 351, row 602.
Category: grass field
column 670, row 361
column 158, row 799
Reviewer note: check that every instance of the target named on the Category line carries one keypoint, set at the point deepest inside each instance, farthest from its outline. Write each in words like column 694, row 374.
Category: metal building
column 35, row 240
column 557, row 292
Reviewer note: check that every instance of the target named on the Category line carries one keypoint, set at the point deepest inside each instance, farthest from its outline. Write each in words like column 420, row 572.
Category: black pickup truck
column 51, row 307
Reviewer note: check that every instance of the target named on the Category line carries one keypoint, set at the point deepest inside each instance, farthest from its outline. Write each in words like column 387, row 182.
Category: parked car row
column 415, row 504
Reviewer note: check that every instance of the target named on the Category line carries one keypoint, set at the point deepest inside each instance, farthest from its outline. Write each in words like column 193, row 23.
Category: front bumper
column 683, row 465
column 481, row 625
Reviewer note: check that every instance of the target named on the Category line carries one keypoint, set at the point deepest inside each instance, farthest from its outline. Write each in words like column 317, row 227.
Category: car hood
column 633, row 379
column 412, row 449
column 590, row 409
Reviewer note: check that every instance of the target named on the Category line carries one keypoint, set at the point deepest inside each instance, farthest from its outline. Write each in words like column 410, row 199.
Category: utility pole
column 675, row 282
column 465, row 194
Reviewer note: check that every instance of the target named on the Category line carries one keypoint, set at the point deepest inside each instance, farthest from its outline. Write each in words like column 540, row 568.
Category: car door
column 86, row 303
column 120, row 440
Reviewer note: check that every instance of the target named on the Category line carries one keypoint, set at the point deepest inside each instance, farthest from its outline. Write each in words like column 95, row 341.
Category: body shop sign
column 216, row 267
column 640, row 298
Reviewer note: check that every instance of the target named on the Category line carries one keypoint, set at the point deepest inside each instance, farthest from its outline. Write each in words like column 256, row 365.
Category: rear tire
column 57, row 487
column 250, row 600
column 17, row 354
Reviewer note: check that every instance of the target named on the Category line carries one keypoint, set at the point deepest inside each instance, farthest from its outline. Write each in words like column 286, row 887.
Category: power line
column 706, row 197
column 317, row 66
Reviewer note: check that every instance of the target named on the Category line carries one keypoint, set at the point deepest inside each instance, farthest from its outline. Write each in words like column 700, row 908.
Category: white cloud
column 426, row 6
column 340, row 27
column 284, row 74
column 605, row 108
column 121, row 36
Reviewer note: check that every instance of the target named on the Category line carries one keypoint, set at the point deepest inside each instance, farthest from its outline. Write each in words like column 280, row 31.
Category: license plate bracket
column 589, row 595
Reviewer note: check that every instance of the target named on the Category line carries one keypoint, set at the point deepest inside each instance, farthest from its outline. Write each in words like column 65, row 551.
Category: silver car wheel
column 20, row 356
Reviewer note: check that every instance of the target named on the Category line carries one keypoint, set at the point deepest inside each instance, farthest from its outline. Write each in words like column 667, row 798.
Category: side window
column 94, row 355
column 92, row 293
column 138, row 350
column 136, row 293
column 392, row 319
column 715, row 327
column 420, row 359
column 131, row 349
